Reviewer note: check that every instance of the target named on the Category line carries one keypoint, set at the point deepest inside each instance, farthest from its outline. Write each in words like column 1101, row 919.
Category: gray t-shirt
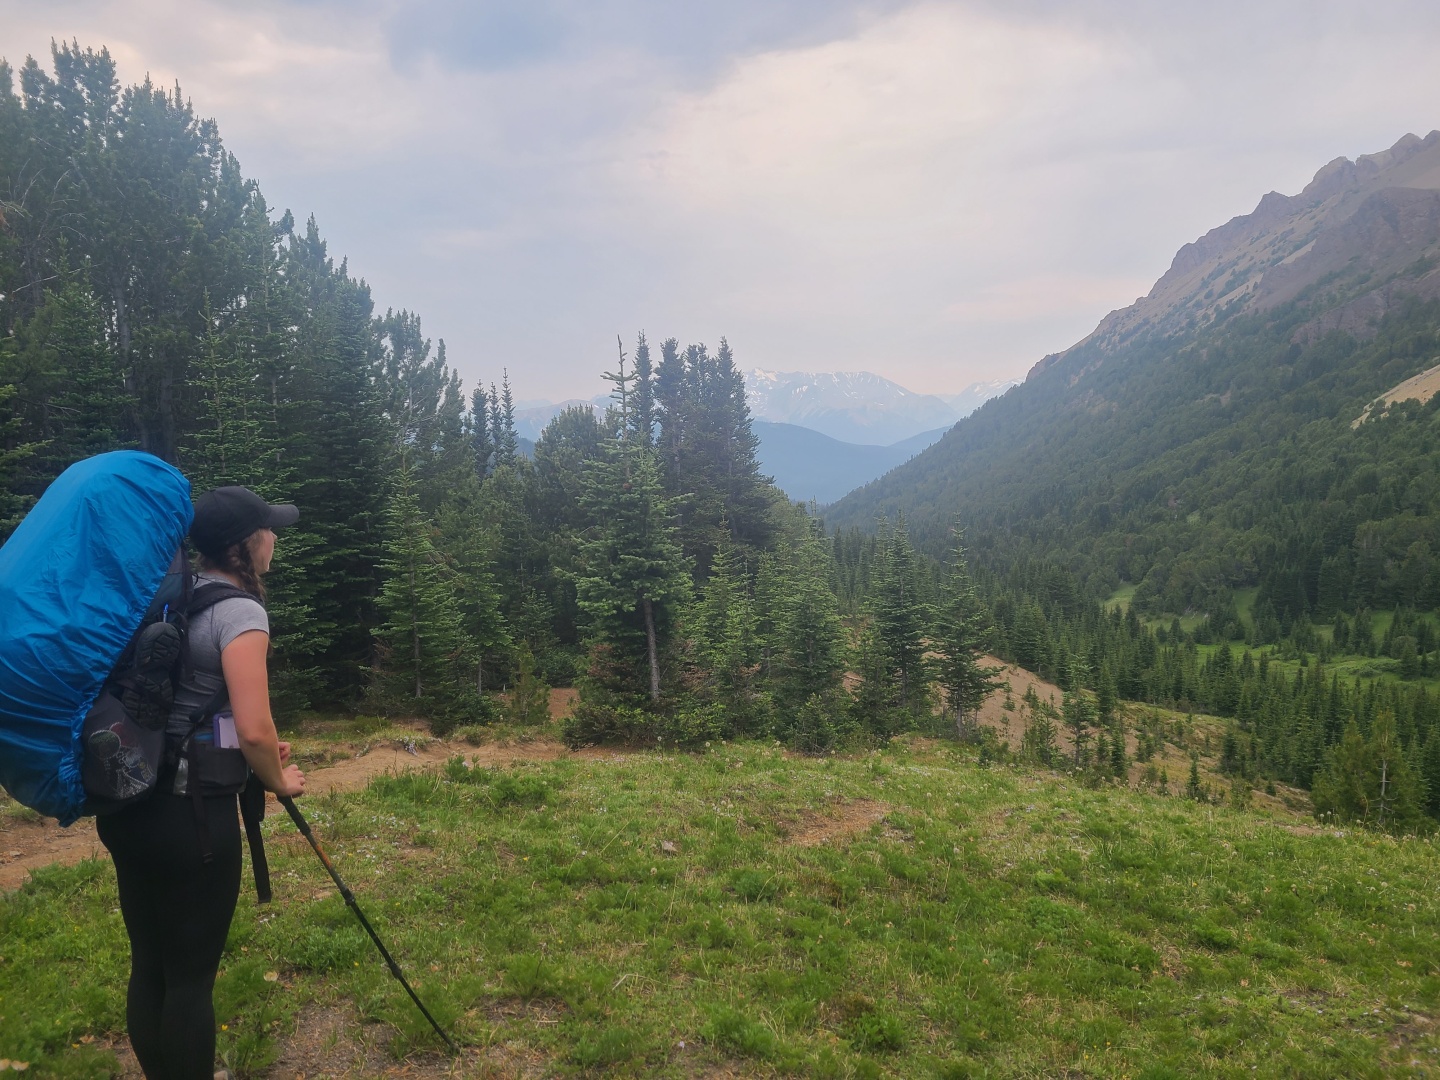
column 210, row 632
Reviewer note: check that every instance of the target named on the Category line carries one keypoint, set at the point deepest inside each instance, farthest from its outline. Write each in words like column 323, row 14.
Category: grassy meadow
column 746, row 912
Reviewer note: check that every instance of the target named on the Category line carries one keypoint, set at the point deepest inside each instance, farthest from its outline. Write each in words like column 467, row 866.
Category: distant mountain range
column 822, row 435
column 808, row 465
column 858, row 406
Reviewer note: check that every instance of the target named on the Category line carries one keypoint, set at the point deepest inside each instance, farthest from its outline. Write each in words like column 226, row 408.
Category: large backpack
column 96, row 594
column 77, row 578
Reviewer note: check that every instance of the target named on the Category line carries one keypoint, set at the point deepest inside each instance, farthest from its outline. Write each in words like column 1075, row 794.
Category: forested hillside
column 1203, row 439
column 1199, row 457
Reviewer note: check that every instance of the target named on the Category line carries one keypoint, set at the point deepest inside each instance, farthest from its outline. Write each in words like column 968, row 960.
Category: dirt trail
column 26, row 846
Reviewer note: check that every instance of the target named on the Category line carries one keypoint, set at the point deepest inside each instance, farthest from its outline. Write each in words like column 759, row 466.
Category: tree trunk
column 415, row 633
column 480, row 675
column 651, row 648
column 131, row 376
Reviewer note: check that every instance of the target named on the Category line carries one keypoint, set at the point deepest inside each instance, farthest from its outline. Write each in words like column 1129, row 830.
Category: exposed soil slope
column 1419, row 388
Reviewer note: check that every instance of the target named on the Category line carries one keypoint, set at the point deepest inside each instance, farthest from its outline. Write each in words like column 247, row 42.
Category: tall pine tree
column 962, row 632
column 633, row 581
column 425, row 658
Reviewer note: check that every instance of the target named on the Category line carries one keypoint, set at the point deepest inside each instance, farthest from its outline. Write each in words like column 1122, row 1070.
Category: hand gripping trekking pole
column 304, row 827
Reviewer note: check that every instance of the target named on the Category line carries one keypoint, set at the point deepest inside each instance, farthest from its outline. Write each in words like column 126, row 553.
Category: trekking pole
column 304, row 827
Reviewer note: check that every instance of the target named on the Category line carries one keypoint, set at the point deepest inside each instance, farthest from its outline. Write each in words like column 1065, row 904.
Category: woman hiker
column 177, row 854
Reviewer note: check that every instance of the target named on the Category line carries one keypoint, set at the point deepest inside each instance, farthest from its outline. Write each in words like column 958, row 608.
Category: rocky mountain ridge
column 1365, row 233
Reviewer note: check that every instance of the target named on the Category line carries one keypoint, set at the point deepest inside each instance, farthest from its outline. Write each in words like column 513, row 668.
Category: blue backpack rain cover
column 75, row 580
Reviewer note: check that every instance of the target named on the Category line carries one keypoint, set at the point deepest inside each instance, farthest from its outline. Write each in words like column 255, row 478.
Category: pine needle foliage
column 426, row 658
column 962, row 637
column 1370, row 782
column 633, row 582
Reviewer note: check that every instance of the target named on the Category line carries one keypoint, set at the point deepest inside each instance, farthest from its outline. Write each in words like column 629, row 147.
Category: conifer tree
column 737, row 472
column 874, row 701
column 633, row 581
column 642, row 409
column 962, row 630
column 808, row 637
column 724, row 631
column 1119, row 762
column 562, row 453
column 468, row 548
column 425, row 654
column 1079, row 715
column 673, row 410
column 707, row 450
column 234, row 441
column 502, row 423
column 769, row 593
column 1370, row 781
column 71, row 376
column 901, row 619
column 1039, row 744
column 482, row 443
column 333, row 435
column 530, row 697
column 12, row 456
column 1193, row 788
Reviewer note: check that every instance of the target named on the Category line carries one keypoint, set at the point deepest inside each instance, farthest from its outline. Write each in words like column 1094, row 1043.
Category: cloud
column 887, row 125
column 943, row 191
column 308, row 87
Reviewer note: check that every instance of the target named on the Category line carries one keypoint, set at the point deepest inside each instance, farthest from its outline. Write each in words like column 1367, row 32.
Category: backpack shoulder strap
column 202, row 599
column 252, row 799
column 212, row 593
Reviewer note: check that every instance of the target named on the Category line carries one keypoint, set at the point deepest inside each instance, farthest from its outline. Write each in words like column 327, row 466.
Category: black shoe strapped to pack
column 149, row 692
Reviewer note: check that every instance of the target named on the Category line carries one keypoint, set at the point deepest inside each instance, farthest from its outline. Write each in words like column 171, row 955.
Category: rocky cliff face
column 1361, row 237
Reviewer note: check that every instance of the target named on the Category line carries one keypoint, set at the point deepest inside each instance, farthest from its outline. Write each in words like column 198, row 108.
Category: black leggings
column 177, row 912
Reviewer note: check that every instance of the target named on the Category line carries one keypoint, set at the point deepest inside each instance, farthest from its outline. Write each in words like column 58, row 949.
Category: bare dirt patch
column 1419, row 388
column 1020, row 682
column 328, row 1041
column 562, row 702
column 27, row 845
column 1416, row 1027
column 1005, row 709
column 843, row 821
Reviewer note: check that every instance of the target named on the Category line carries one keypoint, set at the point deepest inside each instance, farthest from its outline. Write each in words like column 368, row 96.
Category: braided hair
column 238, row 561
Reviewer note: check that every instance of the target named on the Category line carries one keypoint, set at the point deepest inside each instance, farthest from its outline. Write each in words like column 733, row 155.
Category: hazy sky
column 937, row 192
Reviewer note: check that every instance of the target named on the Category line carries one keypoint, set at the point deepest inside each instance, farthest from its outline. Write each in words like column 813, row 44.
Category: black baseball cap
column 228, row 515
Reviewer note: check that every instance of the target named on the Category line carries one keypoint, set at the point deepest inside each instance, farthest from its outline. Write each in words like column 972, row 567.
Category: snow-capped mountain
column 857, row 406
column 976, row 394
